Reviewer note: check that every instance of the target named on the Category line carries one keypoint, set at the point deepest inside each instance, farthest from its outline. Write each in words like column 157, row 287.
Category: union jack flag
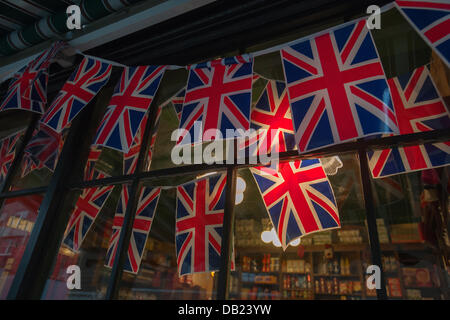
column 148, row 201
column 271, row 117
column 431, row 19
column 28, row 165
column 44, row 147
column 337, row 88
column 28, row 88
column 131, row 157
column 298, row 198
column 198, row 234
column 132, row 97
column 419, row 108
column 77, row 92
column 7, row 153
column 219, row 96
column 86, row 210
column 93, row 156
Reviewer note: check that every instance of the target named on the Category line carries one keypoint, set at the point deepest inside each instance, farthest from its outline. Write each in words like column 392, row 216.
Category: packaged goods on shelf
column 405, row 233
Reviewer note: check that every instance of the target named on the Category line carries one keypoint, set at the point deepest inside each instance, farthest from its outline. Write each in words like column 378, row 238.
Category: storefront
column 65, row 201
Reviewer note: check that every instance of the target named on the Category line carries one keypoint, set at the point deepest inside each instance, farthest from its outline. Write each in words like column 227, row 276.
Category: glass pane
column 412, row 219
column 157, row 276
column 322, row 265
column 85, row 245
column 13, row 125
column 17, row 217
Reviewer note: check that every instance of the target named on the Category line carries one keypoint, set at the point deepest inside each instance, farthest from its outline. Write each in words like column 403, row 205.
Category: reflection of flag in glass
column 298, row 198
column 7, row 153
column 200, row 209
column 86, row 210
column 94, row 154
column 44, row 147
column 419, row 108
column 271, row 117
column 337, row 88
column 431, row 18
column 219, row 95
column 77, row 92
column 131, row 99
column 177, row 102
column 28, row 88
column 131, row 157
column 148, row 201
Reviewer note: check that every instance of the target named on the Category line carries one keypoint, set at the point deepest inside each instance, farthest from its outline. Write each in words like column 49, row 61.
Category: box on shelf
column 405, row 233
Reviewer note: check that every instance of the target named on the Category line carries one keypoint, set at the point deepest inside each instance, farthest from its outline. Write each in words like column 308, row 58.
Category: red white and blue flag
column 271, row 118
column 148, row 201
column 94, row 155
column 7, row 153
column 218, row 95
column 199, row 220
column 131, row 157
column 44, row 147
column 337, row 88
column 431, row 19
column 419, row 108
column 298, row 198
column 86, row 210
column 28, row 87
column 131, row 99
column 77, row 92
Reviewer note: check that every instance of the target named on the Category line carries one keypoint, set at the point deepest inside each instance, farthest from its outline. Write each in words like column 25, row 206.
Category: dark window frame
column 26, row 286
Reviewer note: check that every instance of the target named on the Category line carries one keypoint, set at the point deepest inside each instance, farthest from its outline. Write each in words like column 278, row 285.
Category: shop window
column 157, row 276
column 323, row 265
column 17, row 217
column 85, row 244
column 413, row 232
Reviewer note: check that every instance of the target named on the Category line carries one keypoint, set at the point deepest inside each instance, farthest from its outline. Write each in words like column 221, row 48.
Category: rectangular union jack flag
column 419, row 108
column 132, row 98
column 431, row 19
column 148, row 201
column 131, row 157
column 271, row 118
column 198, row 234
column 218, row 95
column 77, row 92
column 28, row 88
column 7, row 153
column 337, row 88
column 87, row 208
column 44, row 147
column 298, row 197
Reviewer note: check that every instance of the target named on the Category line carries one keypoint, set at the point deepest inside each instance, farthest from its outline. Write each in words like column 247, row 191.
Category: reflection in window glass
column 17, row 217
column 412, row 219
column 322, row 265
column 85, row 244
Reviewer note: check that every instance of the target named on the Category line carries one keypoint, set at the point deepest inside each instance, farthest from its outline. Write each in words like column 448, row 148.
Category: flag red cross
column 202, row 217
column 292, row 186
column 127, row 98
column 334, row 80
column 215, row 94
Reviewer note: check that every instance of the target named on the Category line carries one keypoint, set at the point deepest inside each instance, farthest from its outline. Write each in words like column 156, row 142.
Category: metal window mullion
column 226, row 251
column 45, row 239
column 369, row 204
column 127, row 226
